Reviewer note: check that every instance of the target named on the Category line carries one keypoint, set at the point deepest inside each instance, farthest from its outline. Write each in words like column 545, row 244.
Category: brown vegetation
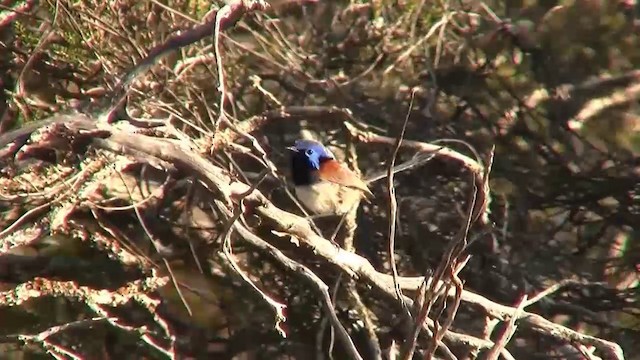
column 146, row 209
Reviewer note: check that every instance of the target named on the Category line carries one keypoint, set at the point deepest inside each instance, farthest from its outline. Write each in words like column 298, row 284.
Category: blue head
column 306, row 159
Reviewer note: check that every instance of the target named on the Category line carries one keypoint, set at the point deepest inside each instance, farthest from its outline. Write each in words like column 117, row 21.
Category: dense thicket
column 139, row 220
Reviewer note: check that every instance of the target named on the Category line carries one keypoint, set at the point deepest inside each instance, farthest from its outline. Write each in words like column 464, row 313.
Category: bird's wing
column 333, row 172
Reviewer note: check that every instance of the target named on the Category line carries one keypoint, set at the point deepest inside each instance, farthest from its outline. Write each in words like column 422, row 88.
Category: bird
column 321, row 183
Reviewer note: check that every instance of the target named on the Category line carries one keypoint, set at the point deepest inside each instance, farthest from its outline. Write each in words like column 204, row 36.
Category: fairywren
column 322, row 184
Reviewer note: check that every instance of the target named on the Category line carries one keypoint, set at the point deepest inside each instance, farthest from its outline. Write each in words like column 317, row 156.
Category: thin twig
column 222, row 13
column 393, row 206
column 227, row 252
column 313, row 278
column 508, row 332
column 450, row 264
column 550, row 290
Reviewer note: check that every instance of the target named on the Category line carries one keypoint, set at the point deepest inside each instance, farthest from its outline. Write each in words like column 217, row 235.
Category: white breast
column 327, row 198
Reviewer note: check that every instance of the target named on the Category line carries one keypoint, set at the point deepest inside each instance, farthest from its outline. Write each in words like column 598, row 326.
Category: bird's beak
column 292, row 148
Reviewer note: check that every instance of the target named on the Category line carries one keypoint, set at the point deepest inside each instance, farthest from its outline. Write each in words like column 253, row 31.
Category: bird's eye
column 309, row 152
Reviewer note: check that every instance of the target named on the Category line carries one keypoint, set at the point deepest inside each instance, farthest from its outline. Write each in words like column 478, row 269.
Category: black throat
column 302, row 172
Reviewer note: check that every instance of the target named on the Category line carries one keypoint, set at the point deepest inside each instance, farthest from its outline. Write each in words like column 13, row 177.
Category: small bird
column 322, row 184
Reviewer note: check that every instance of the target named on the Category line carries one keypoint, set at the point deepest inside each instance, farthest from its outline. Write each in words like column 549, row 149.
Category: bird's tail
column 418, row 160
